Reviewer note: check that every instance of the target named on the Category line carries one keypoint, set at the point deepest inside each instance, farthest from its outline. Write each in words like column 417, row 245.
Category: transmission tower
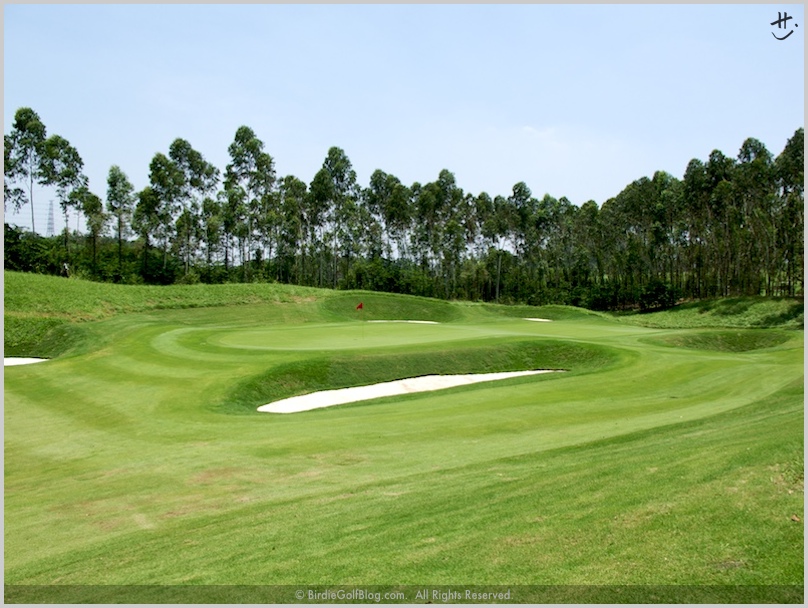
column 49, row 232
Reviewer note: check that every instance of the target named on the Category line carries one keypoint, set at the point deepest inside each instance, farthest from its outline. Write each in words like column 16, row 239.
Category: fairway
column 661, row 456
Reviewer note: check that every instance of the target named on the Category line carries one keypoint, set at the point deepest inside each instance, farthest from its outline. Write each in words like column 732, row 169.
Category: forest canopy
column 731, row 226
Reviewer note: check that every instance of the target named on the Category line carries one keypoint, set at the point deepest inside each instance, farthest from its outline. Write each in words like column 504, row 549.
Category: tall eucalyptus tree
column 249, row 181
column 93, row 209
column 388, row 200
column 756, row 200
column 147, row 220
column 295, row 235
column 62, row 168
column 790, row 187
column 198, row 179
column 167, row 182
column 25, row 156
column 120, row 205
column 695, row 197
column 211, row 231
column 335, row 196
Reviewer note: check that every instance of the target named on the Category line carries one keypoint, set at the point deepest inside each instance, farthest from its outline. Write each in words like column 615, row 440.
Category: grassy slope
column 746, row 313
column 658, row 459
column 41, row 312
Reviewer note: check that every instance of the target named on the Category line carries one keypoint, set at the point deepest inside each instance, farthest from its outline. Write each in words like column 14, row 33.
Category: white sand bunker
column 340, row 396
column 403, row 321
column 542, row 320
column 9, row 361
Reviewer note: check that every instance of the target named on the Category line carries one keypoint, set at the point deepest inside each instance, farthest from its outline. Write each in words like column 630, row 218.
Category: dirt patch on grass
column 214, row 475
column 731, row 564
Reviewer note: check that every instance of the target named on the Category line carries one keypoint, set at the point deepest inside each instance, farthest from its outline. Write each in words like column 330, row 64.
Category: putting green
column 342, row 336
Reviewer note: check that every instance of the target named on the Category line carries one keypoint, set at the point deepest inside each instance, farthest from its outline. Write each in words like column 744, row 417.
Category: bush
column 192, row 278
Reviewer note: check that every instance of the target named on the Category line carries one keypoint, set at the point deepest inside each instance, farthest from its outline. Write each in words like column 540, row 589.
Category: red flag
column 359, row 307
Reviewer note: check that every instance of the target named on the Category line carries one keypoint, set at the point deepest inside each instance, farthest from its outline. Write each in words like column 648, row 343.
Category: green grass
column 377, row 306
column 47, row 336
column 736, row 341
column 748, row 312
column 662, row 456
column 79, row 300
column 335, row 371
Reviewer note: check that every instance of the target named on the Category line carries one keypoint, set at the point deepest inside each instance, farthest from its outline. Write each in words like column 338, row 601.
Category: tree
column 149, row 220
column 388, row 201
column 724, row 223
column 25, row 153
column 589, row 240
column 197, row 179
column 789, row 172
column 61, row 167
column 754, row 183
column 11, row 194
column 437, row 236
column 227, row 203
column 492, row 222
column 695, row 196
column 320, row 202
column 93, row 209
column 667, row 228
column 211, row 219
column 731, row 226
column 335, row 190
column 523, row 220
column 167, row 185
column 120, row 205
column 249, row 183
column 295, row 229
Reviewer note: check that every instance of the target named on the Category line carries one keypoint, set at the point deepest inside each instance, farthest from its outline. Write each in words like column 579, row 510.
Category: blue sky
column 574, row 100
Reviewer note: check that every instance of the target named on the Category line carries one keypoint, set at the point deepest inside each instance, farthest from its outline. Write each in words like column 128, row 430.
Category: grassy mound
column 551, row 312
column 36, row 336
column 79, row 300
column 784, row 313
column 331, row 372
column 380, row 306
column 726, row 341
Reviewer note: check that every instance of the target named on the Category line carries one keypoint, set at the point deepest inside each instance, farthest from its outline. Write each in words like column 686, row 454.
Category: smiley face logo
column 782, row 23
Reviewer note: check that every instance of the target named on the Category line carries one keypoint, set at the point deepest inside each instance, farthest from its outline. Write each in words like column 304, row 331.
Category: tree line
column 731, row 226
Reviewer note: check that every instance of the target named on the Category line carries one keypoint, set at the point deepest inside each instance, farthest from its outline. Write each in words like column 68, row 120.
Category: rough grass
column 46, row 336
column 749, row 312
column 80, row 300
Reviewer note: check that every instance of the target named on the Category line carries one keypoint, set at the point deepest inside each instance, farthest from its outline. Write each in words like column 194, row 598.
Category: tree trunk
column 499, row 271
column 120, row 244
column 31, row 196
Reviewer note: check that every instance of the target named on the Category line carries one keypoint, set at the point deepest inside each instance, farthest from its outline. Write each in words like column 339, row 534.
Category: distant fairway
column 667, row 455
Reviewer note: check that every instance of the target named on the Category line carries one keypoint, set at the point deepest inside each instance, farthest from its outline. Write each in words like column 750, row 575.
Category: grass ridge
column 334, row 372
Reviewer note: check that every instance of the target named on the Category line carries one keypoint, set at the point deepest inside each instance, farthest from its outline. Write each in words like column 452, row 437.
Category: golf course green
column 669, row 453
